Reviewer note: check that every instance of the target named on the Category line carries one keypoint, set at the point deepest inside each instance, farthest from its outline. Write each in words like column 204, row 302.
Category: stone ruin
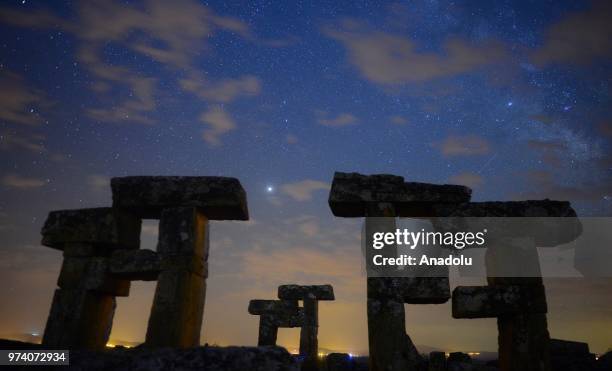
column 286, row 313
column 102, row 255
column 518, row 303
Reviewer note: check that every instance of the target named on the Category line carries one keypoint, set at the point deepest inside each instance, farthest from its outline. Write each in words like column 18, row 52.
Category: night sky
column 510, row 98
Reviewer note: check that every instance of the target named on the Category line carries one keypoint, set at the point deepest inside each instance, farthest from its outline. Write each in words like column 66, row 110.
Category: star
column 269, row 189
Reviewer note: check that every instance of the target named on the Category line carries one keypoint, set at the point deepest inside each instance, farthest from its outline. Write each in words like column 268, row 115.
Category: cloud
column 303, row 190
column 31, row 143
column 471, row 180
column 291, row 139
column 398, row 120
column 20, row 182
column 580, row 38
column 389, row 59
column 605, row 128
column 343, row 119
column 18, row 102
column 223, row 91
column 219, row 123
column 468, row 145
column 173, row 34
column 98, row 182
column 550, row 150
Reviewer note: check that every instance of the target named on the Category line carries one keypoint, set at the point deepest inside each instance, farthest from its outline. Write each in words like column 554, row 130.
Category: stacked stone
column 275, row 314
column 381, row 198
column 310, row 296
column 83, row 307
column 102, row 256
column 515, row 293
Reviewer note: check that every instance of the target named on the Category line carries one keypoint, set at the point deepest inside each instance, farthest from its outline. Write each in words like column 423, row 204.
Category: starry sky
column 510, row 98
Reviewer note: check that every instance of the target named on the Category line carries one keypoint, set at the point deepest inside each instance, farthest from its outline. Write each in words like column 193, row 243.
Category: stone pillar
column 83, row 307
column 381, row 198
column 310, row 296
column 184, row 206
column 178, row 305
column 274, row 314
column 515, row 294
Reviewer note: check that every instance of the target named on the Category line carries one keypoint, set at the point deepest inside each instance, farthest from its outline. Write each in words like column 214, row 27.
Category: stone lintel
column 102, row 227
column 299, row 292
column 498, row 300
column 411, row 290
column 220, row 198
column 135, row 265
column 264, row 306
column 91, row 274
column 351, row 193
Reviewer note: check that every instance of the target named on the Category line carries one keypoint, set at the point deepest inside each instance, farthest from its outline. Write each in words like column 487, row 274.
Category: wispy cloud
column 219, row 122
column 19, row 103
column 21, row 182
column 303, row 190
column 342, row 119
column 390, row 59
column 467, row 145
column 579, row 38
column 177, row 33
column 471, row 180
column 29, row 142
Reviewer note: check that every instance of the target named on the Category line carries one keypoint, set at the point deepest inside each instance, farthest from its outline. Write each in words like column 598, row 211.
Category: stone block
column 411, row 290
column 495, row 301
column 142, row 265
column 102, row 227
column 220, row 198
column 351, row 193
column 299, row 292
column 263, row 306
column 183, row 231
column 177, row 311
column 79, row 319
column 91, row 274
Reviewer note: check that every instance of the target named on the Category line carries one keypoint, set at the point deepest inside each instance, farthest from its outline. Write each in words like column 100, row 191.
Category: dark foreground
column 565, row 356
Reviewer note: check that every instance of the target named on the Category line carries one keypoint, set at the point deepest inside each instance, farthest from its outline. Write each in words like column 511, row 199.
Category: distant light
column 350, row 355
column 510, row 104
column 35, row 334
column 269, row 189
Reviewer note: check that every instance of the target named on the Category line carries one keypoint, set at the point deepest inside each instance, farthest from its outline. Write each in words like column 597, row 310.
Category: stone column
column 178, row 305
column 83, row 307
column 274, row 314
column 385, row 196
column 310, row 296
column 184, row 206
column 515, row 294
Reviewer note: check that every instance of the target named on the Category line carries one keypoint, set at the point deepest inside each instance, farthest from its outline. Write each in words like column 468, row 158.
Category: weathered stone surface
column 437, row 361
column 411, row 290
column 183, row 231
column 178, row 309
column 79, row 319
column 263, row 306
column 352, row 192
column 494, row 301
column 220, row 198
column 143, row 265
column 548, row 222
column 193, row 359
column 274, row 314
column 99, row 227
column 91, row 274
column 299, row 292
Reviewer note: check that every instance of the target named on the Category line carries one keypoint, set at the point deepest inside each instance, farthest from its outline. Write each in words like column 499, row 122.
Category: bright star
column 510, row 104
column 269, row 189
